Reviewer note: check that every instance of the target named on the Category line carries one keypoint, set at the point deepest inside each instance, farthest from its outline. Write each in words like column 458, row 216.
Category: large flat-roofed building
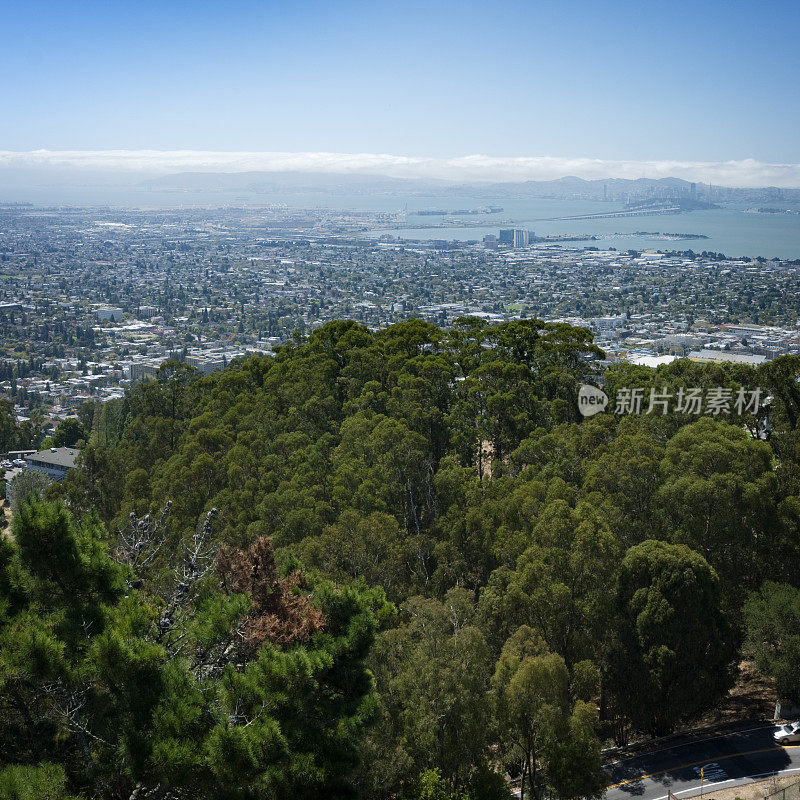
column 678, row 341
column 206, row 364
column 146, row 312
column 55, row 462
column 747, row 330
column 717, row 356
column 610, row 323
column 111, row 313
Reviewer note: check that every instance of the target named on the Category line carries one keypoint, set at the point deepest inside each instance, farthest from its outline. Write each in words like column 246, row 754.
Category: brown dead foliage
column 280, row 612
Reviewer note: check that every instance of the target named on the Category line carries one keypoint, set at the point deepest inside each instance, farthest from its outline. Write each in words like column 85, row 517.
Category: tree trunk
column 522, row 782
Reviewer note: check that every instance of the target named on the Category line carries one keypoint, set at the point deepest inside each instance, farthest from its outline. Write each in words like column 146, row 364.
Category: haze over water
column 731, row 230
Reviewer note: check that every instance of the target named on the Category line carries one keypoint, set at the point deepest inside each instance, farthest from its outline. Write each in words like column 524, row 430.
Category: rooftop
column 55, row 456
column 723, row 355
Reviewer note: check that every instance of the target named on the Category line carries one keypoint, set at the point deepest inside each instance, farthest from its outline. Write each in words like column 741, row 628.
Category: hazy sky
column 704, row 81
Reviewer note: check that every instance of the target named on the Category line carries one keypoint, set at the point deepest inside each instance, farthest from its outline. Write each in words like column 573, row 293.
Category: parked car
column 784, row 734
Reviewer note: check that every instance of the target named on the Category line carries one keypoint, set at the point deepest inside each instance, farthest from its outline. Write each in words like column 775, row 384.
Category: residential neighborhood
column 92, row 300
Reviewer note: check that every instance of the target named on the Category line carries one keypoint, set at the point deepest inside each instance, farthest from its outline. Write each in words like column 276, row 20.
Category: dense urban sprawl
column 94, row 299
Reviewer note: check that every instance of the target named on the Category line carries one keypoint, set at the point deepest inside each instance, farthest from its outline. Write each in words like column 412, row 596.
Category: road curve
column 727, row 760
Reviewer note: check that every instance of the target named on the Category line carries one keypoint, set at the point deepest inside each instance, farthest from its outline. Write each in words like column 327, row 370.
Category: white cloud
column 747, row 172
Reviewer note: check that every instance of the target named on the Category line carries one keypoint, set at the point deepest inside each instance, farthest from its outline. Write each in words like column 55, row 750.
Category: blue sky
column 703, row 81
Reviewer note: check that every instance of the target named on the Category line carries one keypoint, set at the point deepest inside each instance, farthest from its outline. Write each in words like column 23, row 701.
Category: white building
column 112, row 313
column 610, row 323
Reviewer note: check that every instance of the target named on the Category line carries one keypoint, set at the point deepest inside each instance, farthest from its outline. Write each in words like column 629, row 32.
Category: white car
column 784, row 734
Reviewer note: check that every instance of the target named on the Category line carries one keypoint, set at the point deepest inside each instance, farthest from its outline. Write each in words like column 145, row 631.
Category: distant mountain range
column 294, row 181
column 355, row 183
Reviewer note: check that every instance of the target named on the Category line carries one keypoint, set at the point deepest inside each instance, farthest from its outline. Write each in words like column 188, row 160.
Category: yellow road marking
column 704, row 761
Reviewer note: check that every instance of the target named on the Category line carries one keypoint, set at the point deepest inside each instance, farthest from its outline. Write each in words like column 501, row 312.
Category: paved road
column 727, row 760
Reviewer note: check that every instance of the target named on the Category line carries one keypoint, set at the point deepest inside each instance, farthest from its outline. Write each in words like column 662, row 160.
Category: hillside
column 481, row 582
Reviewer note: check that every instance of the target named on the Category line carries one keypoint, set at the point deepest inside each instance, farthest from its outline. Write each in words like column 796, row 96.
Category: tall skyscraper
column 506, row 237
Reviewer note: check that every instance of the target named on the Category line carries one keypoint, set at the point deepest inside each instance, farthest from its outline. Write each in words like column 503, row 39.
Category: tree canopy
column 146, row 682
column 395, row 564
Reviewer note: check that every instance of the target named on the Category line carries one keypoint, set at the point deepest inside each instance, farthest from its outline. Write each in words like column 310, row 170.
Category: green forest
column 395, row 565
